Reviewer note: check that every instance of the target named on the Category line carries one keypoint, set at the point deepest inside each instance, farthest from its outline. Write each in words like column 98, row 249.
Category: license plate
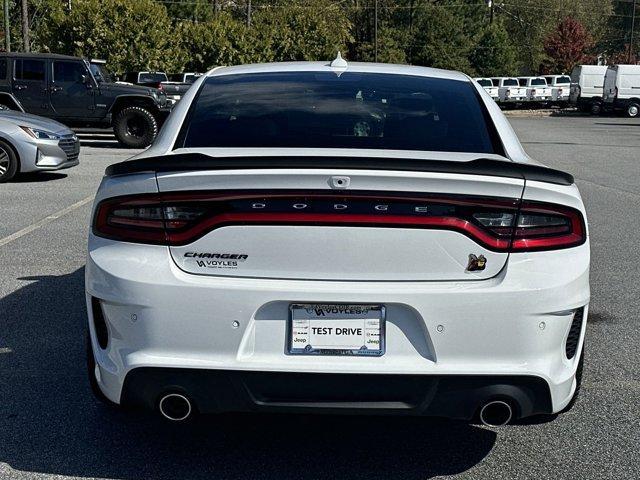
column 336, row 329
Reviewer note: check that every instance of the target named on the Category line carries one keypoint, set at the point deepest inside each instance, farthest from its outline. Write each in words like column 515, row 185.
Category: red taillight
column 543, row 226
column 496, row 223
column 615, row 92
column 134, row 219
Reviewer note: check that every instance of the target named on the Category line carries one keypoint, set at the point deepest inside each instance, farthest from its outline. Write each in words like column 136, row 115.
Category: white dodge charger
column 333, row 237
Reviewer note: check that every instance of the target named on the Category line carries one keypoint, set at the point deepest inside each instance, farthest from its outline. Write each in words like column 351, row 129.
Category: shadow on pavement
column 621, row 124
column 37, row 177
column 51, row 423
column 99, row 143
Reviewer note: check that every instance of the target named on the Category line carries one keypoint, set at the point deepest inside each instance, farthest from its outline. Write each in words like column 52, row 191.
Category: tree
column 391, row 46
column 129, row 35
column 494, row 54
column 439, row 39
column 530, row 22
column 615, row 45
column 567, row 46
column 304, row 30
column 223, row 40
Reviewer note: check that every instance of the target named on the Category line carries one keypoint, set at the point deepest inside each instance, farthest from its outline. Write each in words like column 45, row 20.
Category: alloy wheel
column 4, row 161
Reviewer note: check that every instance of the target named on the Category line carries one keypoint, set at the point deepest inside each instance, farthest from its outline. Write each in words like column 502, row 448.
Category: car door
column 72, row 93
column 30, row 84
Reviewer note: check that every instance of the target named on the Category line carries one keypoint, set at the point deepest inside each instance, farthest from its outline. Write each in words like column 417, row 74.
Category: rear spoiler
column 481, row 166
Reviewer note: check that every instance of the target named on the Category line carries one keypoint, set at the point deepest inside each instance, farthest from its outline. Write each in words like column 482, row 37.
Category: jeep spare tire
column 135, row 127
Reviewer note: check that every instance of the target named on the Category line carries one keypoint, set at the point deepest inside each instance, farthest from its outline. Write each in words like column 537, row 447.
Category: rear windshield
column 485, row 83
column 510, row 82
column 152, row 77
column 351, row 110
column 538, row 82
column 564, row 79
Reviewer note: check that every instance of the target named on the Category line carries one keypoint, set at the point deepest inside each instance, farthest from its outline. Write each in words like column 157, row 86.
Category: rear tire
column 633, row 110
column 135, row 127
column 596, row 108
column 8, row 162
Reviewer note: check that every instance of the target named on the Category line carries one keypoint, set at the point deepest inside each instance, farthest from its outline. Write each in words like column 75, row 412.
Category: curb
column 545, row 112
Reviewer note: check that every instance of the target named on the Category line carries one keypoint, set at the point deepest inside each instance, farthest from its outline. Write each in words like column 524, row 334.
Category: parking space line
column 44, row 221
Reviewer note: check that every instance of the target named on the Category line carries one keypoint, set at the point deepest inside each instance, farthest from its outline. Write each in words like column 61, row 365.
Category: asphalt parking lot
column 50, row 425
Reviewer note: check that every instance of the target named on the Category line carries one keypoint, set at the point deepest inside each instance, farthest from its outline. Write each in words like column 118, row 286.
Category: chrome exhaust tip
column 496, row 413
column 175, row 407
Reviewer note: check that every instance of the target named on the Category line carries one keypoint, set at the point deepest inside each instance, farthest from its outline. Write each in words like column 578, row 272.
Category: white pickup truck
column 537, row 89
column 509, row 90
column 489, row 87
column 560, row 88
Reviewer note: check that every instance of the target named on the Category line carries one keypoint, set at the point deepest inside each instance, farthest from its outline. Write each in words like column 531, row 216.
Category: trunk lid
column 340, row 224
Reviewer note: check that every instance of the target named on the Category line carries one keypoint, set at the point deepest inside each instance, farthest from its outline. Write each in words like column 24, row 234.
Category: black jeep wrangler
column 80, row 93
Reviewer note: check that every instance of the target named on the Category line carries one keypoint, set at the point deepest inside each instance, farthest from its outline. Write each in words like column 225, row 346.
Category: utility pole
column 248, row 13
column 25, row 27
column 633, row 24
column 7, row 29
column 411, row 3
column 375, row 32
column 490, row 5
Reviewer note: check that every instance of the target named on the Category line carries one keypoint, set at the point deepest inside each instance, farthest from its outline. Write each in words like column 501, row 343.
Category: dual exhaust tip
column 496, row 413
column 175, row 407
column 178, row 408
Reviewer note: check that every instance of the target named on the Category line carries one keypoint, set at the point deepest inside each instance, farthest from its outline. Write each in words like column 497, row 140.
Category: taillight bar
column 498, row 224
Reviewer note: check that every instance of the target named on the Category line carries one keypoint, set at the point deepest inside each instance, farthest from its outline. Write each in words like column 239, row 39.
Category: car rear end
column 489, row 87
column 560, row 88
column 511, row 92
column 331, row 241
column 538, row 90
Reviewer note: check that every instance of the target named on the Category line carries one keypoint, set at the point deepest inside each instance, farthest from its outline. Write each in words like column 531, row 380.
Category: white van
column 587, row 82
column 509, row 90
column 560, row 87
column 537, row 89
column 488, row 86
column 622, row 89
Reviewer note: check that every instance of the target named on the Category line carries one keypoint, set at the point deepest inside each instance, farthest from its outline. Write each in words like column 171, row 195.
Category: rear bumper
column 453, row 396
column 513, row 325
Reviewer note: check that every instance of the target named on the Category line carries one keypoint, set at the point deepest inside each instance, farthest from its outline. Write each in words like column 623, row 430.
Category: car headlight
column 40, row 134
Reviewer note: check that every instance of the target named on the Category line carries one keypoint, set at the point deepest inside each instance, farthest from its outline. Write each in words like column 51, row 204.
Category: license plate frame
column 378, row 310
